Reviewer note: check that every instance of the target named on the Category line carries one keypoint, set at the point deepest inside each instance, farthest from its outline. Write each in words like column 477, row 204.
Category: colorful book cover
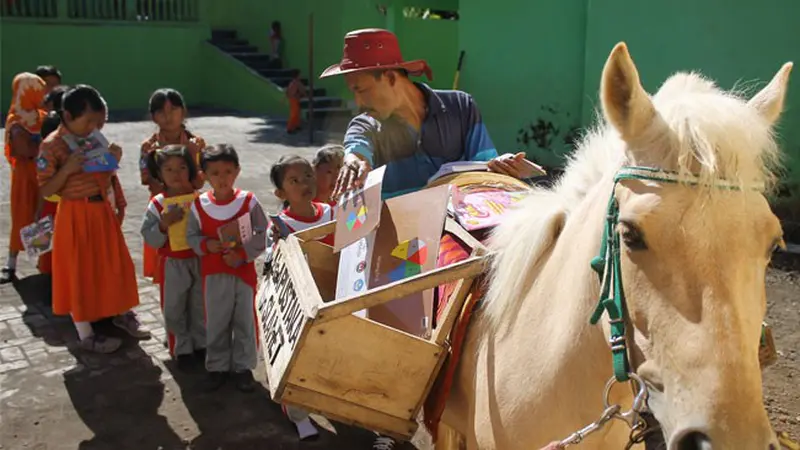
column 359, row 212
column 236, row 232
column 177, row 231
column 478, row 209
column 95, row 148
column 37, row 238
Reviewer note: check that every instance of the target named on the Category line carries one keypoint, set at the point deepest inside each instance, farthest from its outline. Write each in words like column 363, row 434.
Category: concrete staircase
column 330, row 113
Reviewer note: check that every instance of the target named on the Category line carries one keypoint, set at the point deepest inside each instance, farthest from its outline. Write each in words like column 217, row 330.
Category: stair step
column 228, row 41
column 237, row 48
column 271, row 72
column 284, row 81
column 323, row 102
column 223, row 34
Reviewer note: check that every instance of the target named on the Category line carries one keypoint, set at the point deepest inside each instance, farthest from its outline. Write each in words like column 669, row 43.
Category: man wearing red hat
column 407, row 126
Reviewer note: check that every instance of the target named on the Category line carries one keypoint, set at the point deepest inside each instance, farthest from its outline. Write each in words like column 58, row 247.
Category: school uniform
column 94, row 276
column 229, row 292
column 180, row 285
column 323, row 213
column 195, row 145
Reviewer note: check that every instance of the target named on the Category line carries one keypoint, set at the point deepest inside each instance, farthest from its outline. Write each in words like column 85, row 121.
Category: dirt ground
column 54, row 396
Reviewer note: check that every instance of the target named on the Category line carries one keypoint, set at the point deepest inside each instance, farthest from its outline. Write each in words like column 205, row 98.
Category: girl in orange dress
column 22, row 137
column 95, row 277
column 168, row 111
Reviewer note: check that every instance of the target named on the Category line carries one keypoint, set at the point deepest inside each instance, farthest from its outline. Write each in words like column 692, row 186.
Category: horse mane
column 711, row 135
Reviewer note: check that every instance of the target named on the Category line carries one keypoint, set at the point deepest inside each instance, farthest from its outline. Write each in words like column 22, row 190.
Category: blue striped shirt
column 451, row 131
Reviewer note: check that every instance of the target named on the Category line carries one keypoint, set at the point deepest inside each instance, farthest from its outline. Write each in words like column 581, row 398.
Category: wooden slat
column 367, row 363
column 452, row 227
column 350, row 413
column 452, row 310
column 316, row 232
column 467, row 268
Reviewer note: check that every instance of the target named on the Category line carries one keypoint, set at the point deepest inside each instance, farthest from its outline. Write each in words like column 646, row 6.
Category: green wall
column 730, row 42
column 524, row 65
column 125, row 61
column 434, row 40
column 228, row 83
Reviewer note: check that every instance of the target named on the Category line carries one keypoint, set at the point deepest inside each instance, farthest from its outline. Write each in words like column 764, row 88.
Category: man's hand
column 232, row 258
column 553, row 446
column 515, row 165
column 351, row 176
column 214, row 245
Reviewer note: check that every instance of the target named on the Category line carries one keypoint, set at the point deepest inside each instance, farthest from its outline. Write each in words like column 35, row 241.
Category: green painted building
column 533, row 67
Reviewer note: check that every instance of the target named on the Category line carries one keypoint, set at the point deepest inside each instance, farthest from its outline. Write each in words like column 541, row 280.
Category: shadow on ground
column 125, row 398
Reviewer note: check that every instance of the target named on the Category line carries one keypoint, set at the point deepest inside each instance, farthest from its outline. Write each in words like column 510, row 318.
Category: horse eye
column 632, row 237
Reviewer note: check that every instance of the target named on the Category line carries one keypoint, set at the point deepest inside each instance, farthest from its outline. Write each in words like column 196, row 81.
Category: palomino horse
column 677, row 180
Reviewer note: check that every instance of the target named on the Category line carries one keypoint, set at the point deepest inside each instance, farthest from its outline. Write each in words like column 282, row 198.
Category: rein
column 612, row 301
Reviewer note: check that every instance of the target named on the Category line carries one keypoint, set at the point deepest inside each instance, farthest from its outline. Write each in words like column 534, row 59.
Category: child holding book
column 95, row 277
column 164, row 228
column 168, row 112
column 228, row 271
column 22, row 138
column 327, row 164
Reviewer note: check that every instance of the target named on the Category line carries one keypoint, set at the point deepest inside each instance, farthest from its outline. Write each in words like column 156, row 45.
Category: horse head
column 691, row 235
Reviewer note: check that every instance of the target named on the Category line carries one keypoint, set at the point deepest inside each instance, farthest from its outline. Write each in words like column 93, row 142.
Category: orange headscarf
column 27, row 94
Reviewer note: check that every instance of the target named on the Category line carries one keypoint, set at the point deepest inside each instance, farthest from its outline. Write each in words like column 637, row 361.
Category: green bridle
column 609, row 269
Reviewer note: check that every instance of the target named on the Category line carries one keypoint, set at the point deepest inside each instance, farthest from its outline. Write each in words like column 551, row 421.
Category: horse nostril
column 695, row 441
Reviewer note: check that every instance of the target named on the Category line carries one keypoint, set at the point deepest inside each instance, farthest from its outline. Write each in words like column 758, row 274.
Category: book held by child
column 37, row 238
column 95, row 148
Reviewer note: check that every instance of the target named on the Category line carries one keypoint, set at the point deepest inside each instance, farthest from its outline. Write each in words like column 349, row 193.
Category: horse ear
column 626, row 104
column 769, row 101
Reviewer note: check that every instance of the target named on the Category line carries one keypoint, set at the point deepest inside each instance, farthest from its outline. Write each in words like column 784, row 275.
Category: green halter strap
column 609, row 269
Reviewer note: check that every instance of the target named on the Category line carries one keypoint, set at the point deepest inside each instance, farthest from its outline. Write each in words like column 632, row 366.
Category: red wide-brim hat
column 374, row 49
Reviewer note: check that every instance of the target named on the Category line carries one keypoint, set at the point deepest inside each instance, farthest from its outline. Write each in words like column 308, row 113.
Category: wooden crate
column 321, row 357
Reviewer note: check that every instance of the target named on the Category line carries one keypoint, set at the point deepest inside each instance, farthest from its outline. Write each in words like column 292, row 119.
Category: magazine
column 478, row 209
column 37, row 238
column 95, row 148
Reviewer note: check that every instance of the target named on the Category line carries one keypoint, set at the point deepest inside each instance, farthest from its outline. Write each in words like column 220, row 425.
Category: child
column 52, row 101
column 95, row 277
column 295, row 92
column 327, row 163
column 51, row 76
column 181, row 291
column 49, row 206
column 22, row 138
column 276, row 41
column 296, row 184
column 168, row 111
column 229, row 273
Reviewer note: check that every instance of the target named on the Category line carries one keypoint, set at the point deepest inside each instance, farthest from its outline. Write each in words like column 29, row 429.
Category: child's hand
column 274, row 232
column 232, row 258
column 74, row 163
column 173, row 216
column 120, row 215
column 116, row 151
column 214, row 245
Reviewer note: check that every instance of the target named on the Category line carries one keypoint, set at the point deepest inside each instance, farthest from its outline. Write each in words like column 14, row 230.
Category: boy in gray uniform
column 227, row 228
